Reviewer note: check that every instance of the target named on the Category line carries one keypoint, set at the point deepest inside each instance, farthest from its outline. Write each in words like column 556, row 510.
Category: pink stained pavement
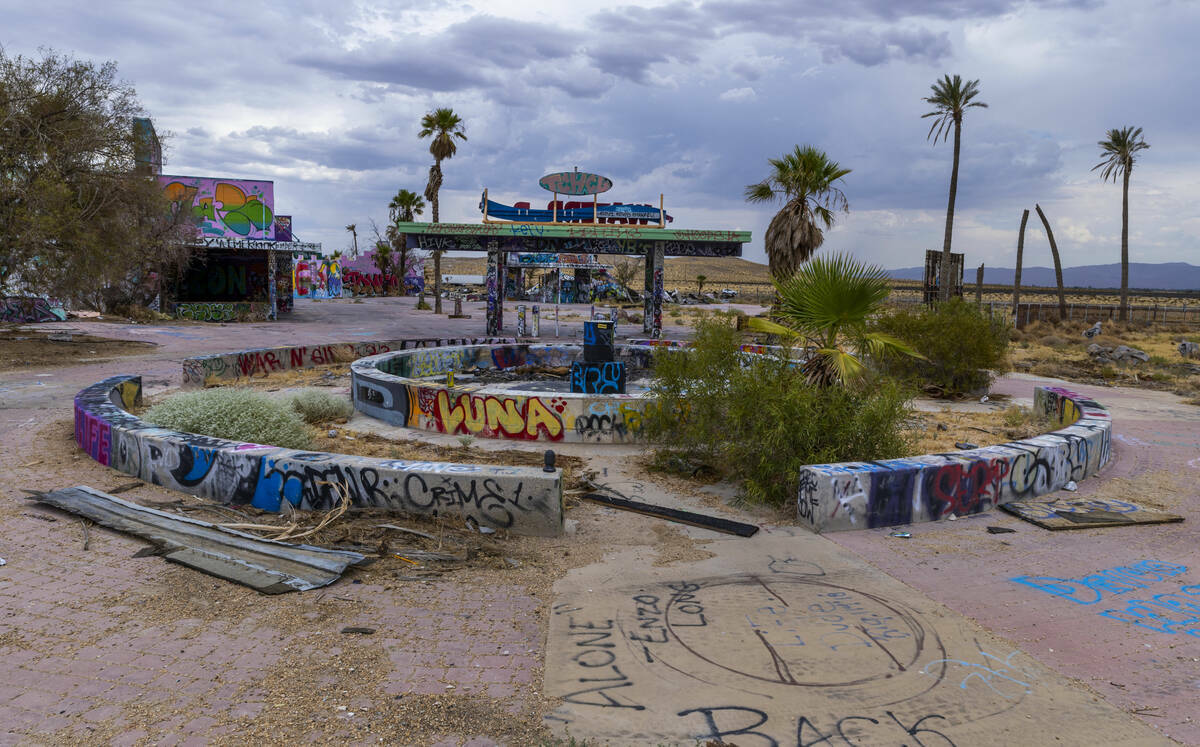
column 1150, row 673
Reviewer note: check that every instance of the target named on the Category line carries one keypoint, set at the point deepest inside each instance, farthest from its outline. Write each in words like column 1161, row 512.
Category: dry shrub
column 234, row 414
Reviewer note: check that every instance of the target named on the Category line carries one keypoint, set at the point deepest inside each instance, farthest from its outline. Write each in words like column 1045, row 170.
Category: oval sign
column 575, row 183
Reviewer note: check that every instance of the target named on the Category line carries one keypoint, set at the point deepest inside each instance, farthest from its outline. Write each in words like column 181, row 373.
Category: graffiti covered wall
column 226, row 367
column 361, row 277
column 27, row 309
column 861, row 495
column 523, row 500
column 387, row 387
column 224, row 208
column 316, row 278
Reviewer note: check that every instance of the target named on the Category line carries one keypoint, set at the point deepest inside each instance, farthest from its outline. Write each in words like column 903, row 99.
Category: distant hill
column 1145, row 275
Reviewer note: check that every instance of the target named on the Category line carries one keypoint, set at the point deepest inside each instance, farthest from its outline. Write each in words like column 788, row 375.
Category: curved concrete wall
column 860, row 495
column 224, row 367
column 383, row 387
column 523, row 500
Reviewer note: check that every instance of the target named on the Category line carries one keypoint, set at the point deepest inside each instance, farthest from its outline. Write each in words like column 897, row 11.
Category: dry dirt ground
column 25, row 347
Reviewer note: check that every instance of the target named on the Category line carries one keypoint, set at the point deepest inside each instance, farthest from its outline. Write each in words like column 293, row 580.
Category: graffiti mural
column 29, row 309
column 933, row 487
column 523, row 500
column 316, row 277
column 227, row 208
column 221, row 311
column 361, row 277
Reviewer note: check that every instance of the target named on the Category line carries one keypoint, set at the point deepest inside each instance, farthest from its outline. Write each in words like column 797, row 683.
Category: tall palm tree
column 951, row 98
column 1120, row 151
column 804, row 180
column 828, row 304
column 353, row 229
column 405, row 206
column 442, row 125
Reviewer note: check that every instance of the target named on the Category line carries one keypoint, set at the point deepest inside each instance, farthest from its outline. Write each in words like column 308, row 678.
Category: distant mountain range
column 1165, row 276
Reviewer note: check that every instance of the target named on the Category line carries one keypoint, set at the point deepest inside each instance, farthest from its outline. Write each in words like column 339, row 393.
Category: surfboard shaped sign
column 575, row 183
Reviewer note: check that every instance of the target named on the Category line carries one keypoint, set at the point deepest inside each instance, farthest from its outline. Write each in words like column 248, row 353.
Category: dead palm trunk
column 1062, row 299
column 1125, row 244
column 1020, row 253
column 435, row 185
column 945, row 273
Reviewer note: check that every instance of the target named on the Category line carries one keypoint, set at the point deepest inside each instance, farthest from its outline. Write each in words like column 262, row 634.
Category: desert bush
column 963, row 347
column 235, row 414
column 314, row 406
column 756, row 420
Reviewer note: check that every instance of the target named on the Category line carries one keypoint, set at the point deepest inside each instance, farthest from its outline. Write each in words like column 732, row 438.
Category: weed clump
column 314, row 406
column 964, row 347
column 756, row 420
column 234, row 414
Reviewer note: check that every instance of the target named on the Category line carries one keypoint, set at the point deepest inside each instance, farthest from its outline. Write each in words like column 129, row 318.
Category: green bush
column 315, row 406
column 754, row 418
column 963, row 345
column 235, row 414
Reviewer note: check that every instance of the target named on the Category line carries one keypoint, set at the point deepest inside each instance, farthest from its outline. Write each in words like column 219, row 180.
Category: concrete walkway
column 670, row 636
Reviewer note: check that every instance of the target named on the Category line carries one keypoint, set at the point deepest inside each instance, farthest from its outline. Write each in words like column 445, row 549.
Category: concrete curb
column 934, row 487
column 395, row 388
column 523, row 500
column 224, row 367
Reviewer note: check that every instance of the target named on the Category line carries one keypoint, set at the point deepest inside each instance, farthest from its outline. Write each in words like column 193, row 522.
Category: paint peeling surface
column 864, row 495
column 390, row 387
column 523, row 500
column 786, row 641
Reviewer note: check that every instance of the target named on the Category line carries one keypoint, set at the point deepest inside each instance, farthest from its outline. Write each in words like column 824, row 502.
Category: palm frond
column 768, row 327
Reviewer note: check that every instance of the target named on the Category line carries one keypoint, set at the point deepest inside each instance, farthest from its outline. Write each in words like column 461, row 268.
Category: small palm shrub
column 315, row 406
column 235, row 414
column 963, row 346
column 758, row 420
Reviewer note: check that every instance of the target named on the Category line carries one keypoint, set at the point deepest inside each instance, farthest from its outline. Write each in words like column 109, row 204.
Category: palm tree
column 353, row 229
column 828, row 303
column 951, row 97
column 804, row 180
column 442, row 125
column 1120, row 151
column 405, row 206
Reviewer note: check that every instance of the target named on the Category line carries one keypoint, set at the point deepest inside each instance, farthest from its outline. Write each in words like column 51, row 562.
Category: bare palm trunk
column 1020, row 255
column 1062, row 299
column 945, row 279
column 1125, row 245
column 437, row 254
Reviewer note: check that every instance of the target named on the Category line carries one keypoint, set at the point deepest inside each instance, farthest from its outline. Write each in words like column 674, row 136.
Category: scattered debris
column 406, row 530
column 360, row 631
column 1093, row 331
column 40, row 517
column 1189, row 349
column 672, row 514
column 1000, row 530
column 965, row 445
column 1059, row 515
column 3, row 561
column 125, row 488
column 1071, row 486
column 901, row 535
column 268, row 566
column 87, row 540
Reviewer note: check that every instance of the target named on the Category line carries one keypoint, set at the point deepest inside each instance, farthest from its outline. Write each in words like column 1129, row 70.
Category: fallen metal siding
column 268, row 566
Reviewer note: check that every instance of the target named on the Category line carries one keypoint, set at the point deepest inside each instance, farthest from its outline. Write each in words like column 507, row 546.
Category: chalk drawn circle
column 795, row 631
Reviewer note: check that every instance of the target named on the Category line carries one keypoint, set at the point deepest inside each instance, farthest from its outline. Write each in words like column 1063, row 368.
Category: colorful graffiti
column 29, row 309
column 361, row 277
column 316, row 277
column 229, row 208
column 283, row 228
column 222, row 311
column 523, row 500
column 265, row 361
column 524, row 418
column 933, row 487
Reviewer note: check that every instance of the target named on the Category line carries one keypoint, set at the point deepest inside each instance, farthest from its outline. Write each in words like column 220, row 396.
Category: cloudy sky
column 685, row 98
